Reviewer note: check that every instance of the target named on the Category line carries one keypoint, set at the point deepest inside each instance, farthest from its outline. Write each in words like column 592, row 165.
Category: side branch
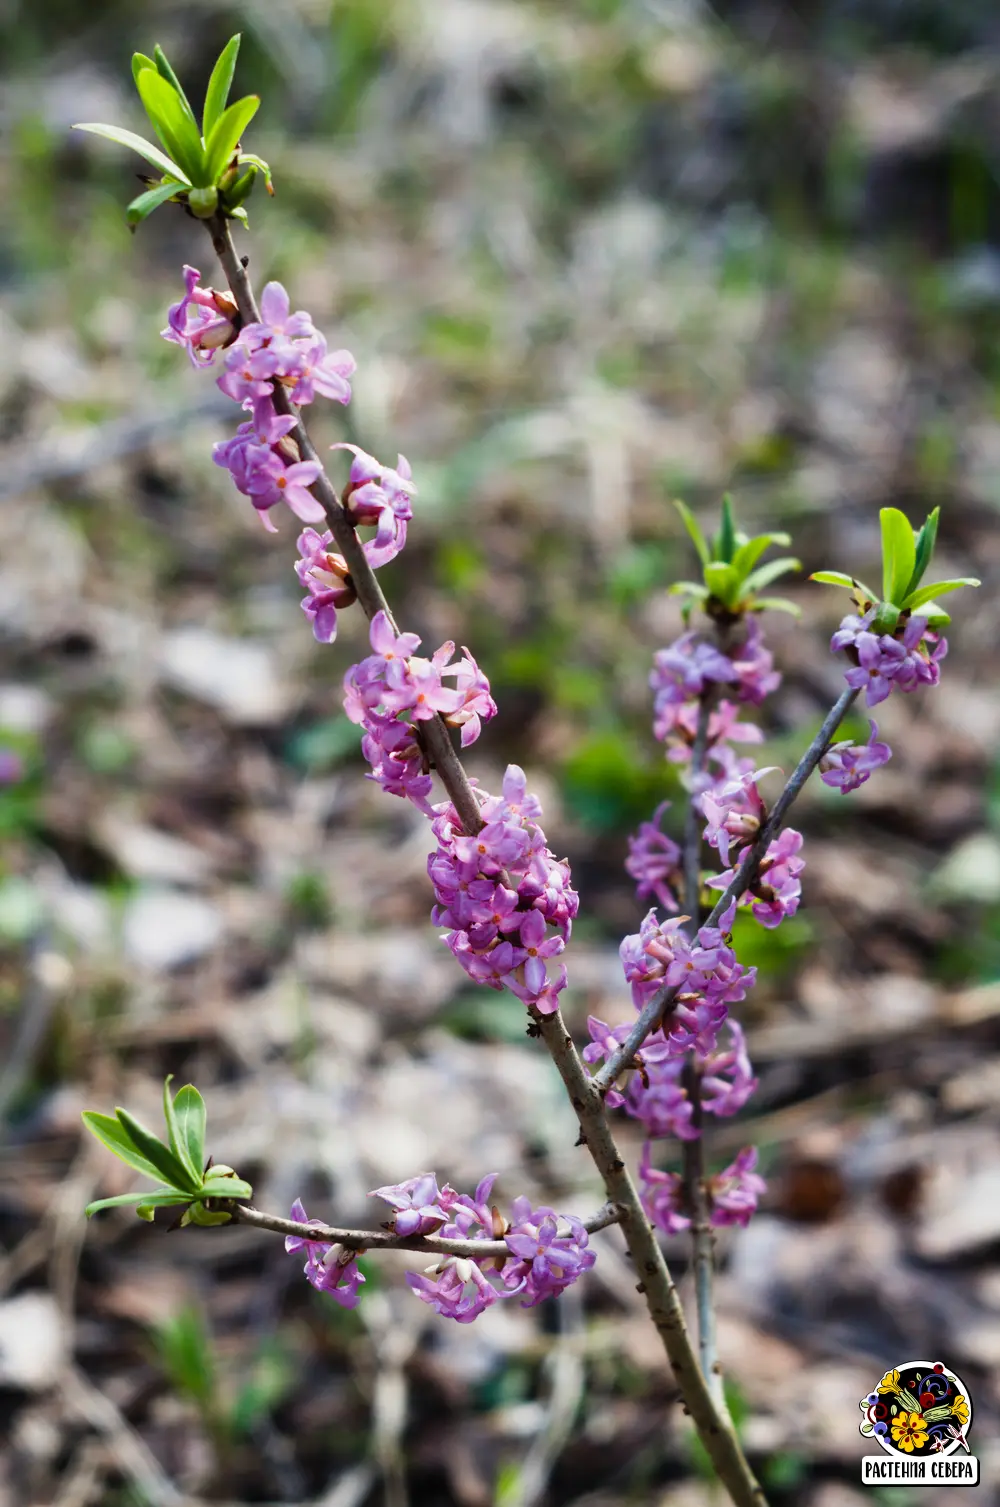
column 363, row 578
column 745, row 875
column 385, row 1240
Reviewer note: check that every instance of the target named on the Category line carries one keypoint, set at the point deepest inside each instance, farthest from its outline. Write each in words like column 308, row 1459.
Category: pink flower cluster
column 375, row 494
column 883, row 662
column 733, row 1193
column 654, row 862
column 548, row 1251
column 683, row 672
column 737, row 813
column 285, row 349
column 704, row 970
column 506, row 898
column 394, row 688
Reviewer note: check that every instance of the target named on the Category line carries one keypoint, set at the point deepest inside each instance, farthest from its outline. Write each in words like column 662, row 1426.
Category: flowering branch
column 695, row 1195
column 506, row 900
column 313, row 1231
column 654, row 1010
column 362, row 577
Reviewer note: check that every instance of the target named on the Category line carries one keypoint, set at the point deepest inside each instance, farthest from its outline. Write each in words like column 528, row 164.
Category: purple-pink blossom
column 548, row 1259
column 736, row 811
column 654, row 862
column 421, row 1207
column 202, row 322
column 735, row 1191
column 846, row 766
column 904, row 660
column 727, row 1076
column 662, row 1195
column 329, row 1268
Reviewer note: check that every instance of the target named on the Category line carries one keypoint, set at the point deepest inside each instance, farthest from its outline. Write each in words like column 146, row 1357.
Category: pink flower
column 662, row 1195
column 654, row 861
column 547, row 1261
column 728, row 1080
column 323, row 574
column 421, row 1208
column 274, row 482
column 203, row 322
column 329, row 1268
column 456, row 1288
column 846, row 766
column 735, row 1191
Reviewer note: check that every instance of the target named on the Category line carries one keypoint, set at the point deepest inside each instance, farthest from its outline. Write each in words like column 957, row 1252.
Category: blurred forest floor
column 589, row 256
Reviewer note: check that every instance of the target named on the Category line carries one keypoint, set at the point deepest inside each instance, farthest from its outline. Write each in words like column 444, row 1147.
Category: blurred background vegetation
column 590, row 255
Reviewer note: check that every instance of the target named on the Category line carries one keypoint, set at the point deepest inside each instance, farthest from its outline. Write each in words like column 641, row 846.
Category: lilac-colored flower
column 477, row 705
column 494, row 846
column 728, row 1080
column 276, row 320
column 662, row 1195
column 538, row 943
column 277, row 482
column 850, row 630
column 878, row 661
column 547, row 1261
column 654, row 861
column 735, row 1191
column 248, row 373
column 389, row 645
column 317, row 370
column 324, row 576
column 655, row 1096
column 456, row 1288
column 329, row 1268
column 421, row 1207
column 754, row 666
column 515, row 795
column 202, row 322
column 846, row 766
column 681, row 672
column 737, row 810
column 777, row 882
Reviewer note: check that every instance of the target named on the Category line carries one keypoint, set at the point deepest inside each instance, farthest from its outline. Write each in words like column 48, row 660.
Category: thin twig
column 653, row 1011
column 696, row 1196
column 385, row 1240
column 714, row 1428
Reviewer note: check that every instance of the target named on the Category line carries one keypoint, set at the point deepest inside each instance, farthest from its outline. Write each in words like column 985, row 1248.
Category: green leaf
column 899, row 554
column 765, row 574
column 189, row 1108
column 776, row 604
column 178, row 1141
column 688, row 589
column 748, row 554
column 935, row 615
column 226, row 133
column 165, row 71
column 722, row 581
column 168, row 1167
column 725, row 539
column 938, row 588
column 175, row 128
column 141, row 145
column 834, row 578
column 224, row 1187
column 926, row 540
column 142, row 207
column 160, row 1198
column 219, row 85
column 139, row 62
column 261, row 166
column 694, row 532
column 110, row 1134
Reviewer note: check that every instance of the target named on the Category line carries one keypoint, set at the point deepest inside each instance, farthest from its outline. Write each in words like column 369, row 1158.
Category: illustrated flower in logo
column 909, row 1431
column 919, row 1408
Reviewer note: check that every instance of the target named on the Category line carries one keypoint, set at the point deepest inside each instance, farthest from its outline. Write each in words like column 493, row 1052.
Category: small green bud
column 204, row 202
